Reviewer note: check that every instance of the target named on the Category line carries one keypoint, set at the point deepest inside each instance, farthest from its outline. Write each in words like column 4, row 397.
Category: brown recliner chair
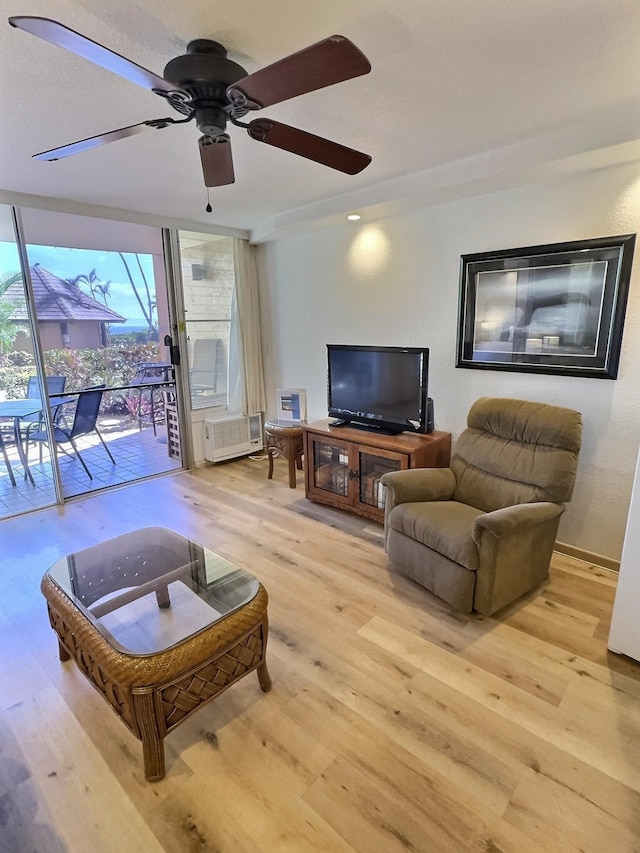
column 481, row 533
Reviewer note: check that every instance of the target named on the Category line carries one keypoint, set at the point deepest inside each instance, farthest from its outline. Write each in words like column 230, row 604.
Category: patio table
column 22, row 408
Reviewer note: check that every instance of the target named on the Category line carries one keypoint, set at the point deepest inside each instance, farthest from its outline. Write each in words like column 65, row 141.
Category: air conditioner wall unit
column 226, row 438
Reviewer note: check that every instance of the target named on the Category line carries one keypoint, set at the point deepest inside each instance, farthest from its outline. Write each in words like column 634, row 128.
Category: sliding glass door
column 208, row 287
column 93, row 314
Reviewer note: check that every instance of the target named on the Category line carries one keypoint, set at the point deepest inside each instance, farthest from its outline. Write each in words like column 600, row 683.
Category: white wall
column 50, row 228
column 395, row 282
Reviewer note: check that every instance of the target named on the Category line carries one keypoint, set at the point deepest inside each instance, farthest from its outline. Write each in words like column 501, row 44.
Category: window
column 208, row 281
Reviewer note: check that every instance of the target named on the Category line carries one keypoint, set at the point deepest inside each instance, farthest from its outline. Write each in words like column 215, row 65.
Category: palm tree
column 96, row 286
column 7, row 279
column 104, row 289
column 148, row 309
column 8, row 328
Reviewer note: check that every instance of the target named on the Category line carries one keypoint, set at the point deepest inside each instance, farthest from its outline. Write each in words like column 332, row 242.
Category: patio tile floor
column 138, row 454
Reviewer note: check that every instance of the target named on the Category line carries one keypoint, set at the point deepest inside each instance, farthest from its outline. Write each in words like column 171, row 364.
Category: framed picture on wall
column 292, row 404
column 557, row 308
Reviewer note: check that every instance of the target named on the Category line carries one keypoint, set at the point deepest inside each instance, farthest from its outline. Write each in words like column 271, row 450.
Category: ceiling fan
column 207, row 86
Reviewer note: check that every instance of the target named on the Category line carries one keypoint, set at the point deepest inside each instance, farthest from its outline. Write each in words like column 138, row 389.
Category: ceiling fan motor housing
column 205, row 72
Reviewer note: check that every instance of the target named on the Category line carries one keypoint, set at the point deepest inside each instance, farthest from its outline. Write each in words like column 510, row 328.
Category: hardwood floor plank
column 119, row 749
column 414, row 786
column 613, row 670
column 363, row 809
column 196, row 818
column 563, row 626
column 589, row 571
column 89, row 808
column 526, row 752
column 256, row 779
column 18, row 683
column 384, row 712
column 359, row 810
column 26, row 822
column 541, row 809
column 556, row 725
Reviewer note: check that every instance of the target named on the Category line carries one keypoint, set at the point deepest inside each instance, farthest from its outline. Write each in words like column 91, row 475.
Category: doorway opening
column 91, row 314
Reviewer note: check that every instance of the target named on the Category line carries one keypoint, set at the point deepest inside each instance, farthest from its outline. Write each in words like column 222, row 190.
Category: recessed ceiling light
column 353, row 217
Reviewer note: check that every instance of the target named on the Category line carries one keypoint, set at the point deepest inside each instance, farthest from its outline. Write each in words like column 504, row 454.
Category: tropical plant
column 8, row 329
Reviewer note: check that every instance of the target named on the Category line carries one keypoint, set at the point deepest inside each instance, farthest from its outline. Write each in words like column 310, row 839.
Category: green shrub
column 112, row 366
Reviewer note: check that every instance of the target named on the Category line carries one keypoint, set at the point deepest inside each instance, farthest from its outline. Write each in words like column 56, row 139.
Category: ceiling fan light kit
column 206, row 86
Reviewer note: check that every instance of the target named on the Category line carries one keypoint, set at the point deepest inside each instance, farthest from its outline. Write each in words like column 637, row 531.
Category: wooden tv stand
column 343, row 465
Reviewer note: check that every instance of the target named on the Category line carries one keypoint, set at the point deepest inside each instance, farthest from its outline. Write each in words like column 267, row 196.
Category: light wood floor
column 393, row 723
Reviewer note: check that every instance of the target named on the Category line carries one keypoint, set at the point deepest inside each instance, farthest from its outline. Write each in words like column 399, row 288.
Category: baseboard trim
column 588, row 556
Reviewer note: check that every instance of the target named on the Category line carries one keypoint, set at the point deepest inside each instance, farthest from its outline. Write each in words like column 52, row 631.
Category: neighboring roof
column 57, row 300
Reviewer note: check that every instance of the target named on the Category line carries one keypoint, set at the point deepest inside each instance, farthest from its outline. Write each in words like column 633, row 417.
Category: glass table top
column 149, row 590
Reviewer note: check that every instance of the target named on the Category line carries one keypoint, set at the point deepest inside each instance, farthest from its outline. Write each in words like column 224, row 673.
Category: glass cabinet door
column 372, row 466
column 330, row 467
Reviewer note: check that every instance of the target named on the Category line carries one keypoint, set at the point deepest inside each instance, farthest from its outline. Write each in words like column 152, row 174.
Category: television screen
column 379, row 387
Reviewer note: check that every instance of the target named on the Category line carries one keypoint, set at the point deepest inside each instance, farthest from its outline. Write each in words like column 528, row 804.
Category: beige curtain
column 253, row 397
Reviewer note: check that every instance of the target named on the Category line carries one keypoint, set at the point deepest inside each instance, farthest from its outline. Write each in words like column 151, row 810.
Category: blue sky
column 68, row 263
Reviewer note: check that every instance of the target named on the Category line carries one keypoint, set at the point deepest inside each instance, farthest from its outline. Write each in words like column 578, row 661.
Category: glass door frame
column 37, row 348
column 173, row 275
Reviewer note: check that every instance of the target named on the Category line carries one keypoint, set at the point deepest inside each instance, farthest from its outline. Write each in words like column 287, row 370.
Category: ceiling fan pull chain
column 208, row 208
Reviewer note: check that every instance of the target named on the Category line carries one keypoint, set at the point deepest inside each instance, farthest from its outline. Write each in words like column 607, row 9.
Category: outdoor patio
column 138, row 454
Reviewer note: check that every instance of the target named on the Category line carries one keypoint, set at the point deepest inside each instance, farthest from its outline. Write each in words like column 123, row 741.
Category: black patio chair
column 85, row 421
column 3, row 450
column 55, row 385
column 147, row 374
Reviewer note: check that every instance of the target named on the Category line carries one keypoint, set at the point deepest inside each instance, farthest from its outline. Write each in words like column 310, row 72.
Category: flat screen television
column 379, row 388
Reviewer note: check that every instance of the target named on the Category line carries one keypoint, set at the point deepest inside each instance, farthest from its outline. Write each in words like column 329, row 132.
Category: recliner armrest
column 419, row 484
column 416, row 484
column 500, row 522
column 514, row 550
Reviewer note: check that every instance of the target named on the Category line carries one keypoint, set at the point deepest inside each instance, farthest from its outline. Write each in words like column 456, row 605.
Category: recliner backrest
column 516, row 451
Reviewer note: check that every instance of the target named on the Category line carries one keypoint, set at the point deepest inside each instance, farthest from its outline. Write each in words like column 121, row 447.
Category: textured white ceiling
column 464, row 96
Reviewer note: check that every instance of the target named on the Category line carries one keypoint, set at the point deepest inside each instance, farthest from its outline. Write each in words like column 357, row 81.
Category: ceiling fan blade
column 217, row 162
column 322, row 64
column 96, row 141
column 56, row 33
column 308, row 145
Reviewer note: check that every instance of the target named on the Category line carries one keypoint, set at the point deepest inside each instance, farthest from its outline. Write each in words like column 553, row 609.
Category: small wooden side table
column 285, row 438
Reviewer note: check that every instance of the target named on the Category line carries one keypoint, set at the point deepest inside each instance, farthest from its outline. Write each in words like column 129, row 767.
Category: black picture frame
column 557, row 308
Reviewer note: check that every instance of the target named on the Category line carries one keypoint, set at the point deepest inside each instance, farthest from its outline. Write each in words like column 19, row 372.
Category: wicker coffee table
column 160, row 626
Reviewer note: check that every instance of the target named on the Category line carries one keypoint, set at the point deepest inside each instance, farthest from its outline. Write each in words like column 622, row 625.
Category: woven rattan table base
column 288, row 441
column 152, row 694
